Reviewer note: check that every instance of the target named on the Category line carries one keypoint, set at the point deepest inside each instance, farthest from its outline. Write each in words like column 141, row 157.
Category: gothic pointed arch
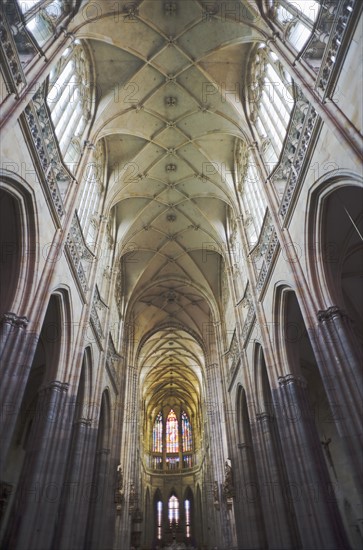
column 180, row 274
column 18, row 237
column 312, row 406
column 42, row 400
column 334, row 255
column 100, row 497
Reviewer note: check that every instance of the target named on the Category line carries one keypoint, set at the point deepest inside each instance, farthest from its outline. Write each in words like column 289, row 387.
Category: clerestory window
column 172, row 435
column 41, row 17
column 89, row 208
column 172, row 441
column 158, row 434
column 69, row 100
column 271, row 102
column 186, row 433
column 297, row 18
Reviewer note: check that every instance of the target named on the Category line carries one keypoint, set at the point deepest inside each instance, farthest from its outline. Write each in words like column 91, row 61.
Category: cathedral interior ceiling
column 169, row 81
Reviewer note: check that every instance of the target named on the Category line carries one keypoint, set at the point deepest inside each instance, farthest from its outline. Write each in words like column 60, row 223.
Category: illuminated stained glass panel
column 186, row 433
column 187, row 518
column 158, row 434
column 172, row 437
column 159, row 510
column 173, row 510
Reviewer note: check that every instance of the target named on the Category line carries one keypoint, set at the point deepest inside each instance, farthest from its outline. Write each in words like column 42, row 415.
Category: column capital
column 103, row 452
column 330, row 313
column 272, row 39
column 211, row 367
column 14, row 320
column 55, row 385
column 253, row 145
column 292, row 379
column 83, row 422
column 262, row 416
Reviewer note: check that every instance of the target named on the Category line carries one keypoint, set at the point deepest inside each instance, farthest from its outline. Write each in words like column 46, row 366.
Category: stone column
column 129, row 458
column 99, row 500
column 34, row 513
column 10, row 323
column 214, row 411
column 280, row 529
column 77, row 489
column 342, row 379
column 16, row 353
column 309, row 486
column 252, row 533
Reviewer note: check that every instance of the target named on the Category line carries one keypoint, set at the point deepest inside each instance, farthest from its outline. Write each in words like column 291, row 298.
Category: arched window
column 296, row 18
column 172, row 435
column 250, row 187
column 173, row 511
column 158, row 434
column 69, row 100
column 159, row 519
column 186, row 433
column 42, row 17
column 271, row 102
column 172, row 441
column 89, row 208
column 187, row 518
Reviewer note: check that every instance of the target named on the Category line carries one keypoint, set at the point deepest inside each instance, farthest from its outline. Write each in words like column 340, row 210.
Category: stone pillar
column 16, row 353
column 252, row 534
column 214, row 411
column 342, row 379
column 280, row 529
column 35, row 509
column 309, row 486
column 77, row 489
column 98, row 536
column 10, row 323
column 129, row 446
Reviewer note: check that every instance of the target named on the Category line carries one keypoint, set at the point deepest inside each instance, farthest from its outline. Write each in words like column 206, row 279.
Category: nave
column 181, row 298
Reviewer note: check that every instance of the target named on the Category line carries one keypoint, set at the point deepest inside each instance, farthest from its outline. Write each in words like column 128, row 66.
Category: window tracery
column 271, row 102
column 250, row 187
column 90, row 204
column 297, row 18
column 173, row 511
column 69, row 100
column 186, row 433
column 172, row 435
column 159, row 515
column 42, row 17
column 158, row 433
column 172, row 441
column 187, row 518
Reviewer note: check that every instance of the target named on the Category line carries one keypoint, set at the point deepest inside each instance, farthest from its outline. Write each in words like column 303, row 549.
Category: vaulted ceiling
column 170, row 80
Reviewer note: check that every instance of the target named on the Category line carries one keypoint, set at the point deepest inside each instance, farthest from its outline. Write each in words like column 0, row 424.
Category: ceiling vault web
column 170, row 114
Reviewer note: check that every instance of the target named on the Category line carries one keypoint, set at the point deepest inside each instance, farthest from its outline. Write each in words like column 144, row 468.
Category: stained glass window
column 70, row 101
column 187, row 518
column 173, row 510
column 159, row 510
column 186, row 433
column 158, row 434
column 172, row 438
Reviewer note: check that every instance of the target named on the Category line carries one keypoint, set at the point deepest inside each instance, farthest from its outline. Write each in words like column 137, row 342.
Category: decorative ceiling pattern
column 170, row 78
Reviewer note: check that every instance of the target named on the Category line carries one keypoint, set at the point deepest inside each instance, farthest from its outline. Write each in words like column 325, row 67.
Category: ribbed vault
column 171, row 80
column 171, row 364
